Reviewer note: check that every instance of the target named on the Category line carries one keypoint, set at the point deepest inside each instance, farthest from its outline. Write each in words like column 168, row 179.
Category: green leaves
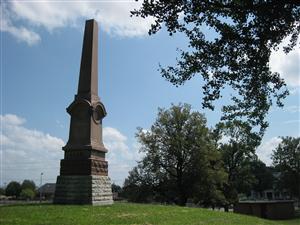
column 181, row 160
column 286, row 159
column 237, row 144
column 238, row 57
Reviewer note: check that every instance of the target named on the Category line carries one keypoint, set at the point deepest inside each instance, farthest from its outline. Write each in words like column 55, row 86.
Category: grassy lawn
column 123, row 213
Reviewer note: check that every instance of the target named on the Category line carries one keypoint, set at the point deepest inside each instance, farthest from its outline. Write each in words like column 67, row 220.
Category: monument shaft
column 83, row 171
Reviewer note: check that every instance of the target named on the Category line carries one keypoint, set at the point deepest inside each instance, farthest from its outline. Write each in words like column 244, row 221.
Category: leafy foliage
column 28, row 184
column 237, row 153
column 13, row 189
column 116, row 188
column 139, row 186
column 264, row 178
column 180, row 161
column 238, row 56
column 286, row 159
column 27, row 194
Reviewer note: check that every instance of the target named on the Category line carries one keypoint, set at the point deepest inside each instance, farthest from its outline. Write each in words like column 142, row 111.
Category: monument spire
column 86, row 110
column 88, row 78
column 83, row 171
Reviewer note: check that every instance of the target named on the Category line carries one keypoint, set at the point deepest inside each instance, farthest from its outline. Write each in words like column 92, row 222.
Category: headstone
column 83, row 171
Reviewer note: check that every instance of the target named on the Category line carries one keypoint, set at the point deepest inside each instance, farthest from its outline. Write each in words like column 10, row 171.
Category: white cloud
column 27, row 152
column 120, row 157
column 116, row 143
column 20, row 33
column 295, row 91
column 293, row 109
column 288, row 65
column 113, row 17
column 291, row 122
column 60, row 124
column 11, row 119
column 265, row 150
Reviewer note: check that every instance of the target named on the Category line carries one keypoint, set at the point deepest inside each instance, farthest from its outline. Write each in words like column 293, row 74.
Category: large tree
column 244, row 34
column 286, row 159
column 181, row 160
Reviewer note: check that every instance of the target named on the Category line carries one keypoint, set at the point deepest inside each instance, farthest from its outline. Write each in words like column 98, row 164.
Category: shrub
column 27, row 194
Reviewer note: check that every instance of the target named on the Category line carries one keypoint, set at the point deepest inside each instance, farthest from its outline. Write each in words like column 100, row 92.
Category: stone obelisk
column 83, row 171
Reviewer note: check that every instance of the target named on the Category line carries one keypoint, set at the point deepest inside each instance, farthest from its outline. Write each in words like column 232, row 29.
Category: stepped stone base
column 90, row 189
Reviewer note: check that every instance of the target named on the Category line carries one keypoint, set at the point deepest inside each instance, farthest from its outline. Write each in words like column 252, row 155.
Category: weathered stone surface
column 87, row 111
column 95, row 190
column 83, row 167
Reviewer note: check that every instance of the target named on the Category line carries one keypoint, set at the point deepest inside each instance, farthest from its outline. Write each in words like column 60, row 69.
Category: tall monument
column 83, row 171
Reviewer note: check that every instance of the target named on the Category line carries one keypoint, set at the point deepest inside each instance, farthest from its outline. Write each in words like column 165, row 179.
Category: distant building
column 270, row 194
column 47, row 190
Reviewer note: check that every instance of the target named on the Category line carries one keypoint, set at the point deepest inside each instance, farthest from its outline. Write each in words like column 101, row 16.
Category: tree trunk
column 226, row 208
column 181, row 190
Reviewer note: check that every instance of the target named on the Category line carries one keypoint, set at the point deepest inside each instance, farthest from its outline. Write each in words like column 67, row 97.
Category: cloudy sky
column 40, row 56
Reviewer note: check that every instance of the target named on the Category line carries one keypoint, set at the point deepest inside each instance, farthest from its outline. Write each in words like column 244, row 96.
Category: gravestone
column 83, row 171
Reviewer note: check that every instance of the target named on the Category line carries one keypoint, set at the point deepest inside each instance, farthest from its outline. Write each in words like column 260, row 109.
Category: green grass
column 123, row 213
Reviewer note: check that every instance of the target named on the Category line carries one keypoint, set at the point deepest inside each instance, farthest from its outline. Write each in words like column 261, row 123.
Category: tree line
column 25, row 190
column 184, row 160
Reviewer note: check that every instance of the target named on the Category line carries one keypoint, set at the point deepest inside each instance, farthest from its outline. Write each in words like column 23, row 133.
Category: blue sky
column 40, row 56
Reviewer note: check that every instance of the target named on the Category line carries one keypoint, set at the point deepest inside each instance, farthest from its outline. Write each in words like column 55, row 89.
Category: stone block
column 91, row 189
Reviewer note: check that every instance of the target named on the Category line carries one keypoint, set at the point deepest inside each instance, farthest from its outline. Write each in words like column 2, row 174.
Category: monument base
column 91, row 189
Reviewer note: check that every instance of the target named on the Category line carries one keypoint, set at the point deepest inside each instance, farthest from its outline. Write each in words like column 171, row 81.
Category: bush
column 28, row 184
column 27, row 194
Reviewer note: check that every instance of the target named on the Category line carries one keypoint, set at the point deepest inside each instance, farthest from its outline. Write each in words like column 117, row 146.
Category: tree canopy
column 27, row 194
column 13, row 189
column 181, row 160
column 28, row 184
column 246, row 32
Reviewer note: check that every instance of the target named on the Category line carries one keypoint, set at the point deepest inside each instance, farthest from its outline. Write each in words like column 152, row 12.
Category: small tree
column 13, row 189
column 140, row 186
column 27, row 194
column 116, row 188
column 28, row 184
